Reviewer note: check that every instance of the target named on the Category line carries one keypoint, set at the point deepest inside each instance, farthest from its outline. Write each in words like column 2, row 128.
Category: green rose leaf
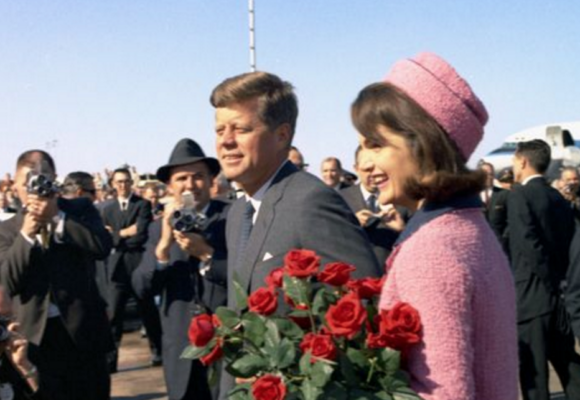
column 254, row 328
column 284, row 355
column 228, row 318
column 305, row 364
column 322, row 300
column 288, row 328
column 193, row 353
column 241, row 392
column 321, row 373
column 406, row 395
column 296, row 289
column 384, row 395
column 272, row 335
column 357, row 358
column 241, row 296
column 247, row 366
column 390, row 360
column 310, row 391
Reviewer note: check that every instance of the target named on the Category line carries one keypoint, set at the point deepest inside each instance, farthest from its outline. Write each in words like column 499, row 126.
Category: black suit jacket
column 182, row 289
column 128, row 251
column 381, row 237
column 63, row 273
column 540, row 231
column 498, row 217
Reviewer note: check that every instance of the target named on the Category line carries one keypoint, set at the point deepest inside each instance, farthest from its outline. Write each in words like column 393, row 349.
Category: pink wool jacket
column 450, row 267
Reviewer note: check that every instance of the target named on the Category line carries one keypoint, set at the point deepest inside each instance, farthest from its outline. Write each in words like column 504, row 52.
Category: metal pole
column 252, row 36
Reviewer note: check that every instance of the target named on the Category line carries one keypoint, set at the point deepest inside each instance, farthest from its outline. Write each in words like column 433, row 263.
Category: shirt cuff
column 161, row 265
column 59, row 227
column 28, row 238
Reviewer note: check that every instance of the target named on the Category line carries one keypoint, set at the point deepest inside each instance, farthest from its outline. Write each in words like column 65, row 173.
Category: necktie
column 123, row 206
column 372, row 203
column 245, row 231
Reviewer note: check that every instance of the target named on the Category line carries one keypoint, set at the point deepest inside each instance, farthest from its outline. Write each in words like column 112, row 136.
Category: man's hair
column 357, row 153
column 482, row 164
column 36, row 159
column 121, row 170
column 78, row 180
column 277, row 102
column 537, row 152
column 333, row 159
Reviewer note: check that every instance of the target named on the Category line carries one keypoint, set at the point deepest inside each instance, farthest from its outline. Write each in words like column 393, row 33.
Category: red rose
column 263, row 301
column 336, row 274
column 401, row 326
column 367, row 288
column 320, row 346
column 377, row 341
column 301, row 263
column 215, row 354
column 201, row 330
column 274, row 278
column 269, row 387
column 346, row 317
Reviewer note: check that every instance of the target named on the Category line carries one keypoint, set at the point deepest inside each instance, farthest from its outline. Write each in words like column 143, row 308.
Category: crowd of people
column 490, row 259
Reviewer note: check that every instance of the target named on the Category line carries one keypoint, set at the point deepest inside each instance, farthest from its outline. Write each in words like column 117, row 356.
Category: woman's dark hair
column 442, row 170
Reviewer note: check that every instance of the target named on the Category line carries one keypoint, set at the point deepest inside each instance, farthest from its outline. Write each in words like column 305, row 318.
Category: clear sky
column 101, row 83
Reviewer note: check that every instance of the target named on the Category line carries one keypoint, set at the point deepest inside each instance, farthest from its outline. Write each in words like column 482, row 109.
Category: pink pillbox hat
column 446, row 96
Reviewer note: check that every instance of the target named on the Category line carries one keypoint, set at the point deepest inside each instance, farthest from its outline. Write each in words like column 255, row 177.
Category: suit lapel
column 263, row 223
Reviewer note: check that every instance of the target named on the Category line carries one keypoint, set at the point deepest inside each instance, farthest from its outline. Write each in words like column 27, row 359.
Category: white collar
column 365, row 193
column 257, row 198
column 529, row 178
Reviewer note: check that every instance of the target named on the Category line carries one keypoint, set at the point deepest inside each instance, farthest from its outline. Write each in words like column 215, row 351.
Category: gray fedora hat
column 186, row 151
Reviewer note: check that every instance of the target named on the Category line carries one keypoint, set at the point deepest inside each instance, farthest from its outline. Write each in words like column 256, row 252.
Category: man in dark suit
column 540, row 230
column 381, row 224
column 128, row 218
column 283, row 208
column 188, row 269
column 47, row 265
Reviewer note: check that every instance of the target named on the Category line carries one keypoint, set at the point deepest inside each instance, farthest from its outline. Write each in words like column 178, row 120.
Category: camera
column 187, row 220
column 41, row 185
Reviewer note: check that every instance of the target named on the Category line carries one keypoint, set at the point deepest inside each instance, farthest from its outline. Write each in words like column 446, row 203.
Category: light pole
column 252, row 36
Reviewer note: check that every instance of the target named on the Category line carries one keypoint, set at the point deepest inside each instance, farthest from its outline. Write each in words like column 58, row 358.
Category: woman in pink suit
column 422, row 124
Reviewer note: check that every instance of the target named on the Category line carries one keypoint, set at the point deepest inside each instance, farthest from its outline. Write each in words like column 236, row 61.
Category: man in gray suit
column 283, row 208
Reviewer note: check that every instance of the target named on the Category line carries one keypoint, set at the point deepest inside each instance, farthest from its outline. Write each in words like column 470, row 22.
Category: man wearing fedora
column 187, row 268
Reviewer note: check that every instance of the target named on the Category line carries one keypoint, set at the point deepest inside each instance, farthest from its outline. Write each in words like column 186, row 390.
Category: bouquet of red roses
column 310, row 334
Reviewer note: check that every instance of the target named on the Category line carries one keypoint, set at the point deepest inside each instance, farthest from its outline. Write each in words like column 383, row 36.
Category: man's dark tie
column 124, row 205
column 372, row 203
column 245, row 231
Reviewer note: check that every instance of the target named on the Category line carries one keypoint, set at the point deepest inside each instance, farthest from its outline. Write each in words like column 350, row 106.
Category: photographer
column 47, row 266
column 185, row 261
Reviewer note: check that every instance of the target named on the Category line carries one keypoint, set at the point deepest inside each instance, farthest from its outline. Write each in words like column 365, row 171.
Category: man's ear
column 284, row 135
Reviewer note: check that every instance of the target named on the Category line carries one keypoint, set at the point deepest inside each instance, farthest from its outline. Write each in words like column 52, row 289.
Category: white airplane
column 563, row 138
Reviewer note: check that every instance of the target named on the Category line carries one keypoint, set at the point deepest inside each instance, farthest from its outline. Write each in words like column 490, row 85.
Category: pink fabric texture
column 453, row 271
column 446, row 96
